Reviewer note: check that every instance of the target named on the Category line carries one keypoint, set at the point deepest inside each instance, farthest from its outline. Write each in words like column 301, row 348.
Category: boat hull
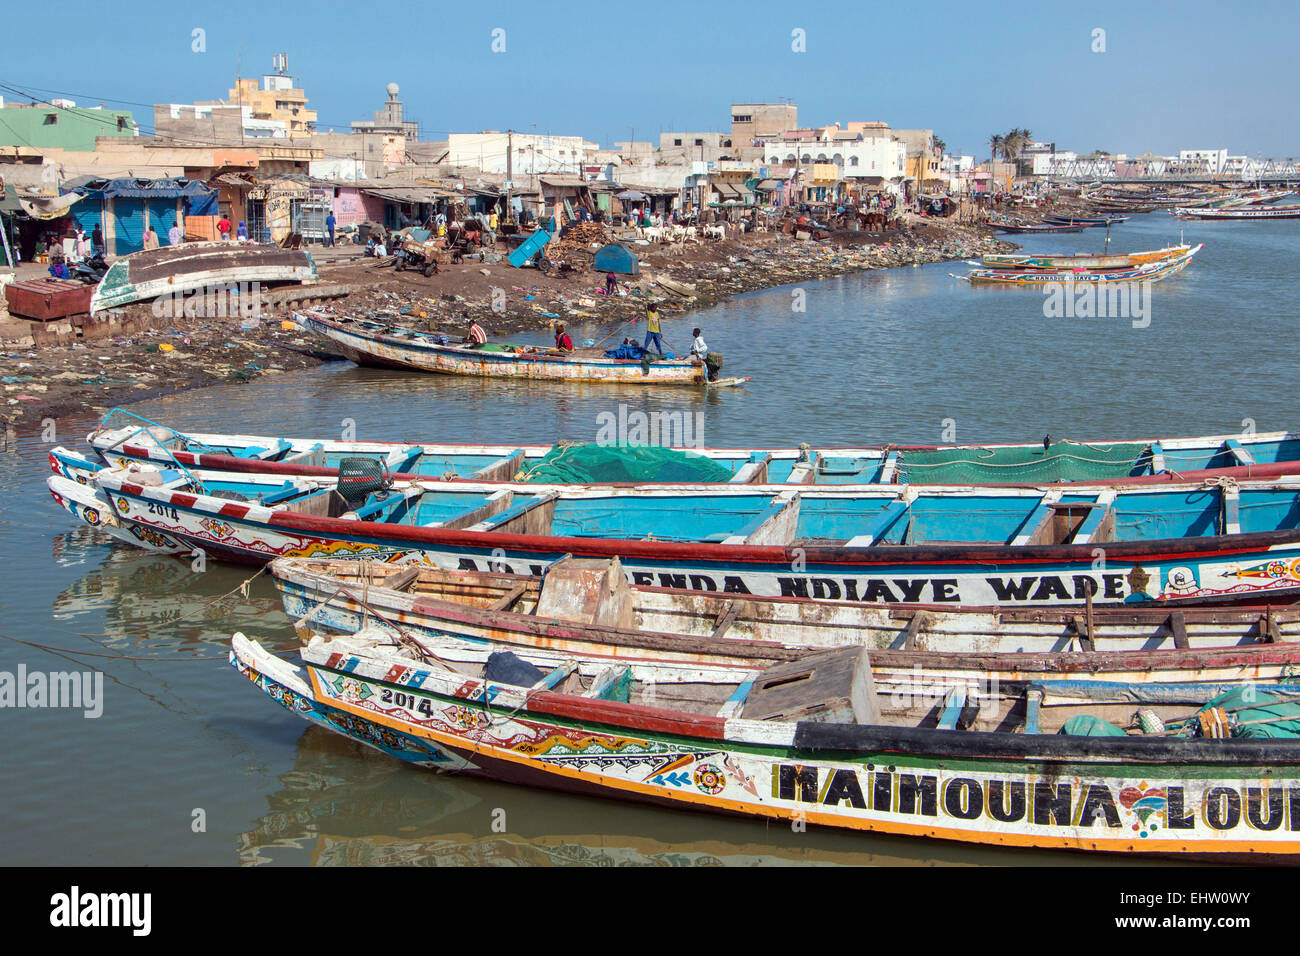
column 1221, row 799
column 420, row 353
column 175, row 270
column 1260, row 566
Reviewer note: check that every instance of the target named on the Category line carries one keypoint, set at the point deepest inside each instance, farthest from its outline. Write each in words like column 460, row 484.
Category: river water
column 188, row 764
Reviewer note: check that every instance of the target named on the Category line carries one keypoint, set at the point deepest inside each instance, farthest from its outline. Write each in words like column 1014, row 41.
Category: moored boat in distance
column 193, row 266
column 1087, row 220
column 1082, row 260
column 1234, row 213
column 1035, row 227
column 369, row 343
column 1146, row 272
column 1051, row 763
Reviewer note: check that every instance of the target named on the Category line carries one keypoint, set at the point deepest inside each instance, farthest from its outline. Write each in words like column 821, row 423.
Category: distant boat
column 1150, row 271
column 173, row 270
column 369, row 343
column 1083, row 260
column 1037, row 227
column 1290, row 211
column 1087, row 220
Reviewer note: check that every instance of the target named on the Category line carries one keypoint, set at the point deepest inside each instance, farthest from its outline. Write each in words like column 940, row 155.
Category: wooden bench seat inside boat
column 836, row 687
column 326, row 503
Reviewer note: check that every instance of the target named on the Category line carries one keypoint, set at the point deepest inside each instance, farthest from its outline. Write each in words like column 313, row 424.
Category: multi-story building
column 752, row 122
column 61, row 124
column 868, row 156
column 530, row 153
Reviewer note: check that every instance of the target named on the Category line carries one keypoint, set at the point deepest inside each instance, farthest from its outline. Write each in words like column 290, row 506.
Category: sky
column 1168, row 76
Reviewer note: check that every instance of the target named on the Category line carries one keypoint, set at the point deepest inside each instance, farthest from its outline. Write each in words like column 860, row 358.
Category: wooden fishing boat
column 191, row 266
column 1087, row 220
column 123, row 438
column 1031, row 261
column 1036, row 227
column 1176, row 543
column 814, row 740
column 1290, row 211
column 589, row 610
column 368, row 343
column 1147, row 272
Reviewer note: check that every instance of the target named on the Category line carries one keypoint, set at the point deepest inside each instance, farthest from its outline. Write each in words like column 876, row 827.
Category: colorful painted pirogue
column 368, row 343
column 1005, row 261
column 1291, row 211
column 1213, row 541
column 588, row 610
column 812, row 740
column 1147, row 272
column 1254, row 455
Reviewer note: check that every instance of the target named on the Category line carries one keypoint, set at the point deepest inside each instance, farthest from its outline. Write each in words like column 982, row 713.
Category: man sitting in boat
column 562, row 340
column 476, row 336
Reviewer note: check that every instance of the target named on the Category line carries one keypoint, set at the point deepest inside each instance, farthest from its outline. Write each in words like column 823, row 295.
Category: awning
column 631, row 194
column 145, row 188
column 48, row 207
column 409, row 194
column 732, row 191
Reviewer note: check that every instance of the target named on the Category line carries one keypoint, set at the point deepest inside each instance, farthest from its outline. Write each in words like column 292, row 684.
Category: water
column 191, row 765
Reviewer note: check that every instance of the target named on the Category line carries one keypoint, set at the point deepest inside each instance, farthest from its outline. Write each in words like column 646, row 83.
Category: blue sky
column 1174, row 75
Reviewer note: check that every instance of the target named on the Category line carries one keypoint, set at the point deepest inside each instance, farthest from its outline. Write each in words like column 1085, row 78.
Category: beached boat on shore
column 1122, row 260
column 1177, row 543
column 369, row 343
column 813, row 739
column 1147, row 272
column 123, row 438
column 191, row 266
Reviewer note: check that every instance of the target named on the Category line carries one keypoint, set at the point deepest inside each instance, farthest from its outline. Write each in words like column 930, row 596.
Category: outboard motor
column 361, row 477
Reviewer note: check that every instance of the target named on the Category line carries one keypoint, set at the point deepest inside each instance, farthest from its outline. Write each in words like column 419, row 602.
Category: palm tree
column 997, row 144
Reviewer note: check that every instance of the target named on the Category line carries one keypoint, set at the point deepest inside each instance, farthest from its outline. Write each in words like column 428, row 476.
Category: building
column 276, row 99
column 530, row 153
column 222, row 124
column 1209, row 161
column 705, row 147
column 868, row 157
column 752, row 122
column 61, row 124
column 389, row 119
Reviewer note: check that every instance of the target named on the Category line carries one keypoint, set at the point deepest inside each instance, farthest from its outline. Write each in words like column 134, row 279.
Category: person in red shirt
column 223, row 227
column 562, row 340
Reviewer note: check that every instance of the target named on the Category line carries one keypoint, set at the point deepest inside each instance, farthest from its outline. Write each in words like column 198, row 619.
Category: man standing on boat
column 562, row 341
column 652, row 328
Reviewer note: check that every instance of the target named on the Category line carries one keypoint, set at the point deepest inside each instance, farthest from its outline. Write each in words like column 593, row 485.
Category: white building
column 857, row 155
column 1208, row 160
column 533, row 153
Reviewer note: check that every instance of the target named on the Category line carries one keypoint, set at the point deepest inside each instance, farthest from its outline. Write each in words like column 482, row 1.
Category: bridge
column 1264, row 172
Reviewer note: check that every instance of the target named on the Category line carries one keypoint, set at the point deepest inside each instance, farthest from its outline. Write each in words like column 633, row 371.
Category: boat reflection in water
column 342, row 804
column 131, row 601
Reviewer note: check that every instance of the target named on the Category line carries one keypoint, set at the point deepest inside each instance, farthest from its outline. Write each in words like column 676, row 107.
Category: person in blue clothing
column 329, row 226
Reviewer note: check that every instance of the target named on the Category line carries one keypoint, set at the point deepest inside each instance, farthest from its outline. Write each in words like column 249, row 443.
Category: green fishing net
column 1063, row 461
column 588, row 464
